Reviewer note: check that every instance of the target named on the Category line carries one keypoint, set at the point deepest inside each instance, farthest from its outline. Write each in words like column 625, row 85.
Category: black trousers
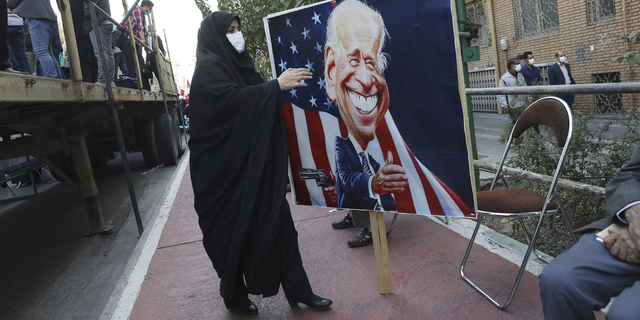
column 127, row 51
column 4, row 50
column 88, row 62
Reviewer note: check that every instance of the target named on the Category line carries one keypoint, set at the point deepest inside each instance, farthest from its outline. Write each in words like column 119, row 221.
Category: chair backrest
column 553, row 112
column 550, row 111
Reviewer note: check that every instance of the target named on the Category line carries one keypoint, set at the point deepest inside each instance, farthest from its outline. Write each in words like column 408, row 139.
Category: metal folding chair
column 521, row 203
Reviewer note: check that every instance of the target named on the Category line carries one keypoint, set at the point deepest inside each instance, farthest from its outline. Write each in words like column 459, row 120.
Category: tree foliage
column 251, row 12
column 632, row 57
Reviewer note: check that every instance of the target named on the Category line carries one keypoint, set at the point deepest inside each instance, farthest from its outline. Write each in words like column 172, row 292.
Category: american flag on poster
column 296, row 40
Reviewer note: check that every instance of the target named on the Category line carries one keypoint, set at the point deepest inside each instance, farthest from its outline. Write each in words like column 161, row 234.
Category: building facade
column 590, row 32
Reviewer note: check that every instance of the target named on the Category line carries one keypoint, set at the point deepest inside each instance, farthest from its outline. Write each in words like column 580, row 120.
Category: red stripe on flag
column 432, row 199
column 463, row 207
column 302, row 194
column 404, row 201
column 319, row 148
column 344, row 132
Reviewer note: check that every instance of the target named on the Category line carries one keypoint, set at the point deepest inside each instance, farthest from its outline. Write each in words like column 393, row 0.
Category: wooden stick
column 133, row 45
column 70, row 37
column 381, row 251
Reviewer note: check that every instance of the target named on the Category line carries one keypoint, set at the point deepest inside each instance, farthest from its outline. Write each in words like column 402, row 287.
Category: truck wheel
column 183, row 133
column 167, row 136
column 148, row 144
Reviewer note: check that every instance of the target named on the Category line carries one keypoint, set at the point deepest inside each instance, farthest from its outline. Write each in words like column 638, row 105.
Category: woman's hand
column 291, row 78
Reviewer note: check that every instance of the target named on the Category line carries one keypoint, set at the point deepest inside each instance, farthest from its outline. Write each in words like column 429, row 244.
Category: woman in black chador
column 239, row 169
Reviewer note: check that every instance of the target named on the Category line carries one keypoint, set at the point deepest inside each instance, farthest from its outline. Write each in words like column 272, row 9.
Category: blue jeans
column 120, row 63
column 40, row 30
column 17, row 50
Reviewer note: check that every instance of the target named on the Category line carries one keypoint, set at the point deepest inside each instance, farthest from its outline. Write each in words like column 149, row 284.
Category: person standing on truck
column 40, row 19
column 238, row 171
column 138, row 25
column 106, row 29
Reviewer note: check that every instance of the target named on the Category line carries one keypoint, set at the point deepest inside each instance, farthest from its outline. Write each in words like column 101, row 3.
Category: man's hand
column 390, row 178
column 619, row 243
column 632, row 215
column 291, row 78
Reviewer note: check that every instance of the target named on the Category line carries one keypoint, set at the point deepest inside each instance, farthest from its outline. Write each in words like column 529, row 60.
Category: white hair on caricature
column 358, row 7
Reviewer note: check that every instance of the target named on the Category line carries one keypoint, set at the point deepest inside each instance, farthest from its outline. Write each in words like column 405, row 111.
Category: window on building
column 475, row 13
column 601, row 10
column 608, row 103
column 536, row 17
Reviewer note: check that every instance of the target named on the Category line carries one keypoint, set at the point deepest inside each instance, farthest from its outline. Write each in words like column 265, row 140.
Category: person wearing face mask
column 512, row 104
column 238, row 165
column 560, row 74
column 138, row 24
column 530, row 72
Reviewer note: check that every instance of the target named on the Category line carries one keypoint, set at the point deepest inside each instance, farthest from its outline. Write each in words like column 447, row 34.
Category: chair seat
column 512, row 200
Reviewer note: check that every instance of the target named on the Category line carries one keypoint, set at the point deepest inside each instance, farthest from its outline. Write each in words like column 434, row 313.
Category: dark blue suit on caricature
column 353, row 183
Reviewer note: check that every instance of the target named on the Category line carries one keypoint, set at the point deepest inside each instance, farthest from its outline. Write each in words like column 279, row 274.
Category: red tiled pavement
column 425, row 260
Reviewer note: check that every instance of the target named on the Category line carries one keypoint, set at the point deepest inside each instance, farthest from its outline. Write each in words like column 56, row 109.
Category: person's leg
column 32, row 61
column 15, row 35
column 120, row 63
column 626, row 306
column 127, row 51
column 106, row 30
column 295, row 282
column 583, row 279
column 4, row 50
column 40, row 30
column 96, row 53
column 55, row 48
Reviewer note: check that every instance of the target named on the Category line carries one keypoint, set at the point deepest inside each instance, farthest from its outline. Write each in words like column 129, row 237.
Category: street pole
column 465, row 43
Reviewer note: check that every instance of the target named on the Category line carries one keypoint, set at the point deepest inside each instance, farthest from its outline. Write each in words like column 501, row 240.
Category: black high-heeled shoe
column 245, row 307
column 314, row 302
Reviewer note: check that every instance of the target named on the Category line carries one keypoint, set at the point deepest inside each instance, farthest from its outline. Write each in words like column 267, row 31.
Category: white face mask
column 531, row 61
column 562, row 59
column 518, row 67
column 237, row 41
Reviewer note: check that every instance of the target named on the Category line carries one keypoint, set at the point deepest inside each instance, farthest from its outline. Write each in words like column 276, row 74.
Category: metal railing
column 603, row 88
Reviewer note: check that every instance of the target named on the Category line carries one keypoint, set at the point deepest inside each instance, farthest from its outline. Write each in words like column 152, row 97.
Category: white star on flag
column 318, row 47
column 282, row 65
column 302, row 81
column 306, row 33
column 316, row 18
column 293, row 48
column 293, row 93
column 313, row 102
column 320, row 83
column 289, row 22
column 309, row 65
column 329, row 103
column 280, row 40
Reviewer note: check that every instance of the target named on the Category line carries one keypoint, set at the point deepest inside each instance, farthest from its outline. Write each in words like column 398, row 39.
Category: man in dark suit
column 559, row 74
column 354, row 66
column 585, row 277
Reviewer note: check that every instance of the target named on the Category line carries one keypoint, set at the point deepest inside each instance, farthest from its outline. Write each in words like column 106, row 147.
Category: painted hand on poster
column 354, row 63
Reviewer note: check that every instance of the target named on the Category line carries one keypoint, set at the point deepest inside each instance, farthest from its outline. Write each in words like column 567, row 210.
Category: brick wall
column 574, row 30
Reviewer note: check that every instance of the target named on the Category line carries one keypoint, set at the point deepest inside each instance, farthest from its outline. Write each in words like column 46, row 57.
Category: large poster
column 381, row 125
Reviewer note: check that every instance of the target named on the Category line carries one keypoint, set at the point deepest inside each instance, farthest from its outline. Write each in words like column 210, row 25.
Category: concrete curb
column 126, row 291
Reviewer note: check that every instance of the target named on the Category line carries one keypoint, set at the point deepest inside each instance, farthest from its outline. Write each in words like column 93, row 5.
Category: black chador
column 238, row 170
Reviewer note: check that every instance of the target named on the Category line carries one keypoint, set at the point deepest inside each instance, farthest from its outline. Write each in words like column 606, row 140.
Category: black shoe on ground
column 245, row 306
column 346, row 222
column 363, row 238
column 314, row 303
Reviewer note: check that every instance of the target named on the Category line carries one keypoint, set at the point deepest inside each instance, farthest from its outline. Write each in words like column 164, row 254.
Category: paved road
column 48, row 269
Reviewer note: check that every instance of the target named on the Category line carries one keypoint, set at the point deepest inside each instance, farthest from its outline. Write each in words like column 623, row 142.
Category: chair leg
column 567, row 222
column 523, row 266
column 528, row 237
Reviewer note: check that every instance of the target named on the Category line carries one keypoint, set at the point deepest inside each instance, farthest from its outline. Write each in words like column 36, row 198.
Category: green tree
column 251, row 12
